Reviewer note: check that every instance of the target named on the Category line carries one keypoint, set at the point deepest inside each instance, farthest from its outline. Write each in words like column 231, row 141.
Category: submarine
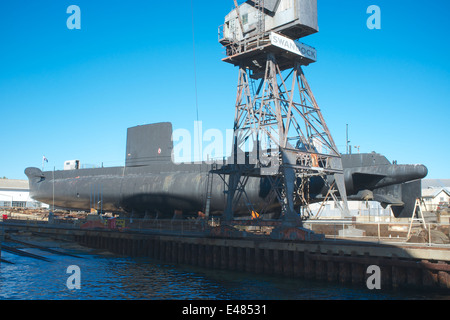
column 151, row 184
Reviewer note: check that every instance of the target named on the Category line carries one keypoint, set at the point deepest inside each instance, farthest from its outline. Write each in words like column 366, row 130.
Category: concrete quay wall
column 340, row 261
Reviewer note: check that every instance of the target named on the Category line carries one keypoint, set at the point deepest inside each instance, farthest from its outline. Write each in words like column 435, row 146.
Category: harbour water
column 104, row 276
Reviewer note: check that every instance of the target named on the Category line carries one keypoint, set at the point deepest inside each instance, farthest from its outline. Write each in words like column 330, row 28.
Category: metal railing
column 388, row 232
column 182, row 227
column 333, row 229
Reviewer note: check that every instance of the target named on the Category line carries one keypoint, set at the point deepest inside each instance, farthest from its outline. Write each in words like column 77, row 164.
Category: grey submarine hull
column 150, row 184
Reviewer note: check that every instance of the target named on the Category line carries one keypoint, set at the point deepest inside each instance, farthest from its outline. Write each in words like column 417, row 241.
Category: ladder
column 420, row 219
column 261, row 23
column 209, row 184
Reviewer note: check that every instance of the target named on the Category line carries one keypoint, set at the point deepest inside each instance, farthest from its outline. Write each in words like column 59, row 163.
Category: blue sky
column 71, row 94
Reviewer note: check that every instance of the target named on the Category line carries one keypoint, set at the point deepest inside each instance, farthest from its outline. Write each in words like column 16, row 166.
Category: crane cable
column 196, row 105
column 195, row 76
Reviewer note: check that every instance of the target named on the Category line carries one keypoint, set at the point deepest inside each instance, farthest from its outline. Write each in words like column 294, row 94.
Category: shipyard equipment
column 279, row 130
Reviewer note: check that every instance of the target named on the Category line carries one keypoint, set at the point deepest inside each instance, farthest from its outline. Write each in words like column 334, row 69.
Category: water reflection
column 105, row 276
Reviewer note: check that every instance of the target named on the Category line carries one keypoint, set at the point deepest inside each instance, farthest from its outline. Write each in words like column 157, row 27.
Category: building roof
column 435, row 183
column 11, row 184
column 434, row 192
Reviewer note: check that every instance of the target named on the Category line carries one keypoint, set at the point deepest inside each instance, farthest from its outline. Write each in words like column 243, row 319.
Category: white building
column 436, row 197
column 436, row 193
column 16, row 193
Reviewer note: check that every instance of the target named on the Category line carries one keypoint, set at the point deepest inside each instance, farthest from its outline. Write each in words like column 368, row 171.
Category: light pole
column 347, row 141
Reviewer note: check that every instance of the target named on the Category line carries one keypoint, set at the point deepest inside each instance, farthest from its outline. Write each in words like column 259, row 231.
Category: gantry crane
column 279, row 130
